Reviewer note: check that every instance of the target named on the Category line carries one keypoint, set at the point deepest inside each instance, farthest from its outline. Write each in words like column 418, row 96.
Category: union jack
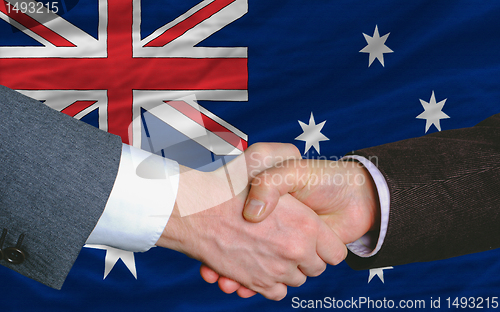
column 118, row 75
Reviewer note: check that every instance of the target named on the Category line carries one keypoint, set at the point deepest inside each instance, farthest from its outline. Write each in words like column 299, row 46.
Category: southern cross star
column 378, row 272
column 376, row 47
column 433, row 113
column 312, row 134
column 113, row 255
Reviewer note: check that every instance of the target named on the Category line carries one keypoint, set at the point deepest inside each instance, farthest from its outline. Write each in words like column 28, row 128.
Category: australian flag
column 158, row 73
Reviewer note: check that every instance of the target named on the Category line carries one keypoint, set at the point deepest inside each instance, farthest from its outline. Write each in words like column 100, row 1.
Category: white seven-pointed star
column 113, row 255
column 378, row 272
column 433, row 113
column 312, row 134
column 376, row 47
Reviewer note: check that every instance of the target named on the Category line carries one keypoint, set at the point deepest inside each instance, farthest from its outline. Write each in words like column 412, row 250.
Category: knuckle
column 262, row 180
column 260, row 284
column 297, row 252
column 277, row 293
column 298, row 281
column 292, row 150
column 279, row 271
column 317, row 271
column 260, row 149
column 310, row 227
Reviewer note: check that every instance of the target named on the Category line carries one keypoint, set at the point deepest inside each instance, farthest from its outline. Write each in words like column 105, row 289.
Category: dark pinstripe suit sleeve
column 56, row 174
column 444, row 195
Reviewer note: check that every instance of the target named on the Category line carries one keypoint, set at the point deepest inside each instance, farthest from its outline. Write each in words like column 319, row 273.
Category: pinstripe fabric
column 445, row 195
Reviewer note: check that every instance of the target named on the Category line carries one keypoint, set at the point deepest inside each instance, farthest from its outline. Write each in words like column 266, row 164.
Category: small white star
column 378, row 272
column 376, row 47
column 433, row 113
column 312, row 134
column 113, row 255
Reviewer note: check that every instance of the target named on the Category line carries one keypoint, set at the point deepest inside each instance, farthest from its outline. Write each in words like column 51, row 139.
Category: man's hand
column 289, row 245
column 342, row 193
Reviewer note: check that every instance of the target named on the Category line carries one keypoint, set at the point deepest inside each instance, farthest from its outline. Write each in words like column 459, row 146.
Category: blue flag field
column 252, row 71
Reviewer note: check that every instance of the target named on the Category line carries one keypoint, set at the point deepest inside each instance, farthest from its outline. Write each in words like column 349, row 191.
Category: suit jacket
column 444, row 195
column 56, row 174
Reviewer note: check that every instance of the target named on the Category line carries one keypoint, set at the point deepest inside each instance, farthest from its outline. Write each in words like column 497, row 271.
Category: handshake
column 269, row 218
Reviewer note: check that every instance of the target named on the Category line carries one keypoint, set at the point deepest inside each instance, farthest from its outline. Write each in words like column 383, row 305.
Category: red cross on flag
column 117, row 73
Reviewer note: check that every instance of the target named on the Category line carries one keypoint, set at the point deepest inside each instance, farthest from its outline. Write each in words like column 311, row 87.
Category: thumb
column 262, row 156
column 258, row 157
column 268, row 186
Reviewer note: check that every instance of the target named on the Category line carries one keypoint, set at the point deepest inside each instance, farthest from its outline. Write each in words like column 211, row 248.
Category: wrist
column 364, row 200
column 177, row 234
column 195, row 209
column 174, row 234
column 371, row 203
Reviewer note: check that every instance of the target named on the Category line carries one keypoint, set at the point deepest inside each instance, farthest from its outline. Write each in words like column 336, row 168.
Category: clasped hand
column 290, row 219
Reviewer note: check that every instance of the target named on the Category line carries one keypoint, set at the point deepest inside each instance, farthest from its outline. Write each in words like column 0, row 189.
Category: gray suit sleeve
column 56, row 174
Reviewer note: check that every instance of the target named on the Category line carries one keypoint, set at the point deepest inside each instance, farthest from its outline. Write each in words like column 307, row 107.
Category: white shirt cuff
column 140, row 202
column 369, row 245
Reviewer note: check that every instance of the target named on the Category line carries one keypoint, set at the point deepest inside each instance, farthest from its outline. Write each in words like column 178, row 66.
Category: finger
column 228, row 285
column 268, row 186
column 314, row 268
column 329, row 246
column 208, row 274
column 262, row 156
column 258, row 157
column 298, row 279
column 244, row 292
column 276, row 293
